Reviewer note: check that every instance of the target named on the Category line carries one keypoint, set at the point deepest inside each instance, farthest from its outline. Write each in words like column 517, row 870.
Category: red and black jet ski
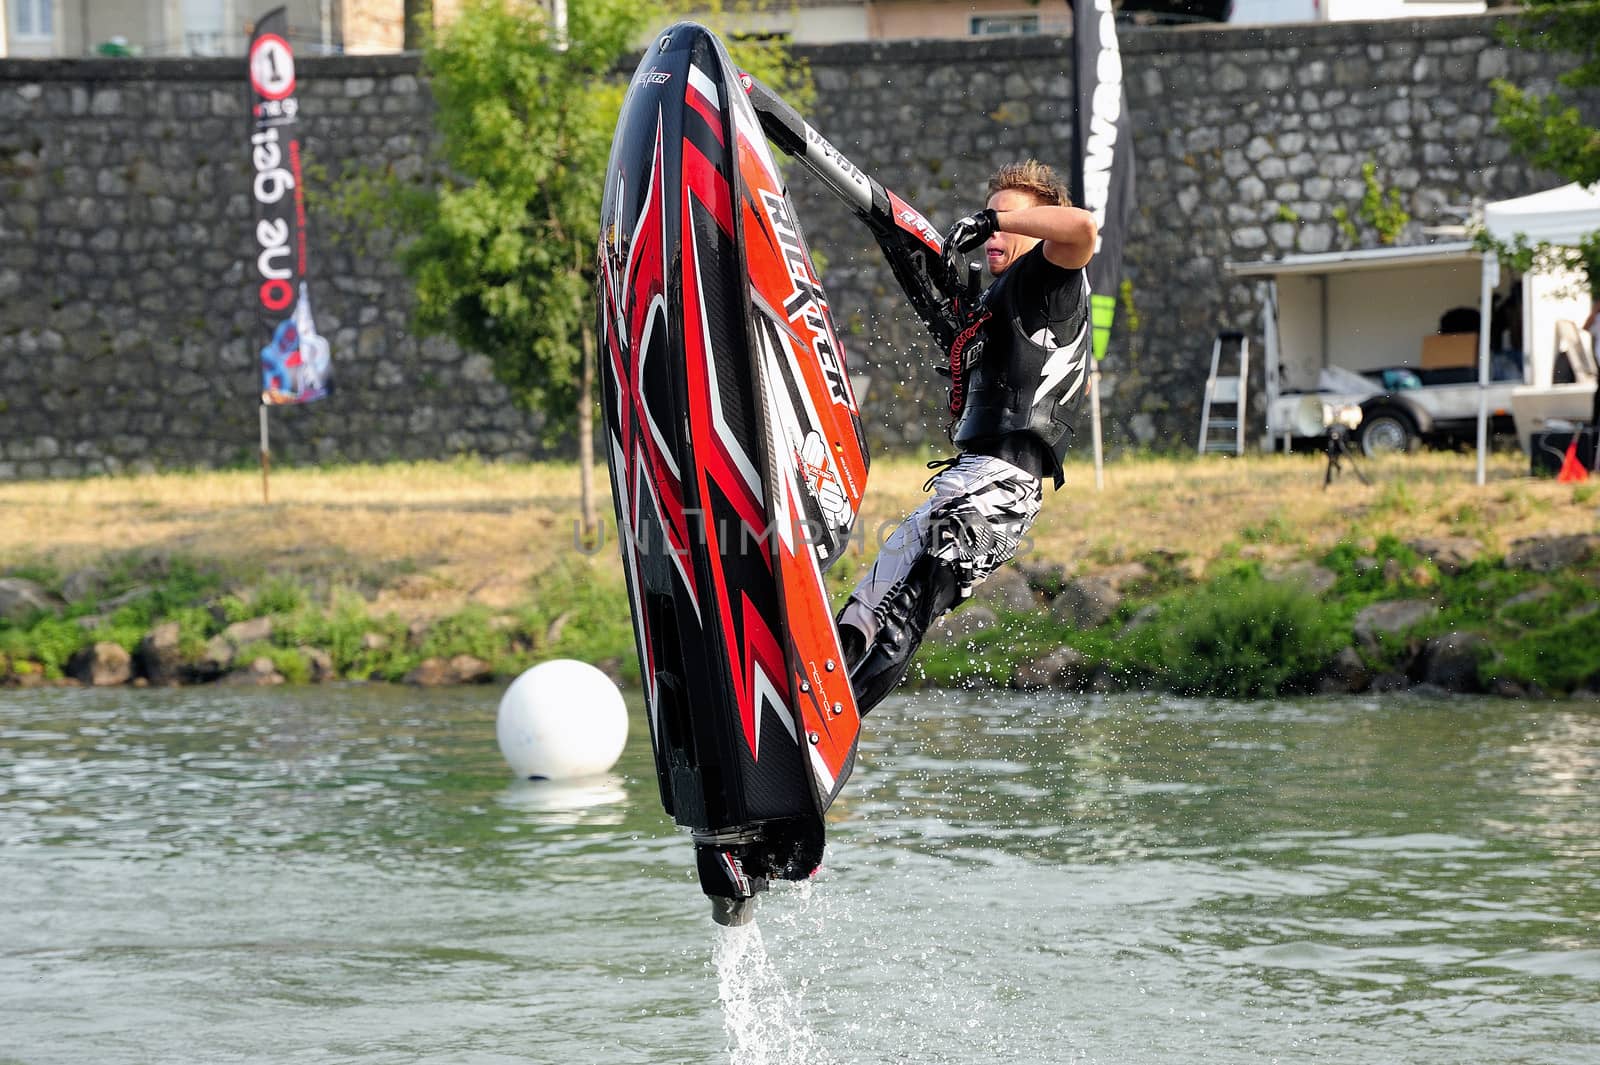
column 737, row 457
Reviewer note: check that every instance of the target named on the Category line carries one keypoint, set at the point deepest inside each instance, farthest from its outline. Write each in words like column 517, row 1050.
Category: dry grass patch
column 428, row 538
column 1269, row 506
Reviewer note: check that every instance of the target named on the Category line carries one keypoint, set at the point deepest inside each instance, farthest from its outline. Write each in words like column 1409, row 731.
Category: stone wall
column 127, row 335
column 126, row 339
column 1247, row 140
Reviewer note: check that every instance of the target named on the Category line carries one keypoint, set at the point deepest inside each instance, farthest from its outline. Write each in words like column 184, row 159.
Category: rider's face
column 1003, row 249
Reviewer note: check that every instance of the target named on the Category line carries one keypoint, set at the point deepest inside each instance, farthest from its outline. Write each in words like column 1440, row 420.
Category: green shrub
column 49, row 641
column 591, row 597
column 470, row 632
column 277, row 594
column 195, row 627
column 341, row 629
column 991, row 653
column 1342, row 561
column 1241, row 636
column 172, row 583
column 121, row 633
column 390, row 661
column 337, row 630
column 286, row 660
column 1560, row 658
column 1167, row 573
column 1383, row 208
column 185, row 583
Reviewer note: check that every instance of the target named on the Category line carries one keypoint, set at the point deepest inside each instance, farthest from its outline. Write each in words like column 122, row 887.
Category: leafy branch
column 1547, row 129
column 1383, row 211
column 1523, row 256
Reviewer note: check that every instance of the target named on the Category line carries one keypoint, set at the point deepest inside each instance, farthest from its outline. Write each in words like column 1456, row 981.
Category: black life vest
column 1025, row 384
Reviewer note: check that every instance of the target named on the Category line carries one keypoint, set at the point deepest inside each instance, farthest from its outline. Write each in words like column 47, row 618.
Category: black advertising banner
column 295, row 360
column 1103, row 153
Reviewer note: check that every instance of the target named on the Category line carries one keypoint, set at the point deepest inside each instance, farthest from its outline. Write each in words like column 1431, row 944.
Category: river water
column 348, row 874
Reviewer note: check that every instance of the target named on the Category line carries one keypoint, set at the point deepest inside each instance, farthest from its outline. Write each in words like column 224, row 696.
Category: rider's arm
column 1068, row 233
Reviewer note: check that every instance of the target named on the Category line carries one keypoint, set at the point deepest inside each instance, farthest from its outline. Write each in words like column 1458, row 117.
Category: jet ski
column 736, row 453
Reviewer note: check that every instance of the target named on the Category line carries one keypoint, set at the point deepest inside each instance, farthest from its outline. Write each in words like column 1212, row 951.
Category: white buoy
column 560, row 720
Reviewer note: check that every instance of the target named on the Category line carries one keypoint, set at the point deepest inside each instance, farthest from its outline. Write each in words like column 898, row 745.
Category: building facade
column 1257, row 12
column 156, row 28
column 40, row 28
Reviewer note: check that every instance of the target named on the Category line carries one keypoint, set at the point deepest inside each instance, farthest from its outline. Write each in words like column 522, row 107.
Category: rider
column 1017, row 373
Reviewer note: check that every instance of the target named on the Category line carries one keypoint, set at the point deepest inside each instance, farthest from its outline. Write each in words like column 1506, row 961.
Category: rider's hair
column 1032, row 177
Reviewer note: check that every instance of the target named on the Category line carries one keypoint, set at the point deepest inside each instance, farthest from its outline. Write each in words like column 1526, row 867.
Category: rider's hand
column 965, row 235
column 973, row 230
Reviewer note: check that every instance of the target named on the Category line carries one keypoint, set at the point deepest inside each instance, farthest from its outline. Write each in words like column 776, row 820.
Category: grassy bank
column 1243, row 630
column 384, row 567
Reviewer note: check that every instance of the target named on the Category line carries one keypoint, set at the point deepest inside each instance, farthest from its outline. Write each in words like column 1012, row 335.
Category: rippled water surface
column 347, row 874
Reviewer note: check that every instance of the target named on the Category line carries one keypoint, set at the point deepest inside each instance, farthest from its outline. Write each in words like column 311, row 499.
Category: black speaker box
column 1550, row 450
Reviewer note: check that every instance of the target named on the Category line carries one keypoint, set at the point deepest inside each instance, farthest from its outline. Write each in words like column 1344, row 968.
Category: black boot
column 903, row 618
column 852, row 642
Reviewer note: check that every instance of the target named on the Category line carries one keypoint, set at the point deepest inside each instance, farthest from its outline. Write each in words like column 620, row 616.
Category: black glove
column 965, row 235
column 973, row 230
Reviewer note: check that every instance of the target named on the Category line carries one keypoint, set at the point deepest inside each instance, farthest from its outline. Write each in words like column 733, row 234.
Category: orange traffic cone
column 1572, row 470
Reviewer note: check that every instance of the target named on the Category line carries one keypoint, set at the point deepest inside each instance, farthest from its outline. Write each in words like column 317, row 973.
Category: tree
column 1548, row 129
column 503, row 255
column 501, row 248
column 418, row 19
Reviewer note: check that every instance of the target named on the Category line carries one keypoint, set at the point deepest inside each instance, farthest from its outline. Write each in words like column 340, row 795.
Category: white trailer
column 1561, row 217
column 1262, row 11
column 1364, row 312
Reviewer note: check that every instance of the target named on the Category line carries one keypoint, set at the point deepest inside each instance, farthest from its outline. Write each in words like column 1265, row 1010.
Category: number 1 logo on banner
column 271, row 66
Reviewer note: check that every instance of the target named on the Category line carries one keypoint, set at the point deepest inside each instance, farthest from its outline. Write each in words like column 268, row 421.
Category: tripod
column 1339, row 449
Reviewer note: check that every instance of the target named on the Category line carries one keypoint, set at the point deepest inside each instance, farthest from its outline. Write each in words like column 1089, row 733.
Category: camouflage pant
column 980, row 510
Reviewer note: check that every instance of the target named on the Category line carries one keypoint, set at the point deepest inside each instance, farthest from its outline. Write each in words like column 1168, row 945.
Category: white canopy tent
column 1562, row 216
column 1556, row 216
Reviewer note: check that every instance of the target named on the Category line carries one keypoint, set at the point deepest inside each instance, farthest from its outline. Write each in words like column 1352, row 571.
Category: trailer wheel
column 1386, row 432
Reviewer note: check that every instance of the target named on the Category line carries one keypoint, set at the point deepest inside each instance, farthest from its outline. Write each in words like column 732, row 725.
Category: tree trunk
column 418, row 16
column 586, row 434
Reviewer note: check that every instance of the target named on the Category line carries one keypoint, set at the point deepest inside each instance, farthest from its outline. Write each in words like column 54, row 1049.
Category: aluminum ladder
column 1222, row 413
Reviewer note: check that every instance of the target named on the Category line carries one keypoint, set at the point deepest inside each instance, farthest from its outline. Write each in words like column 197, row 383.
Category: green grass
column 1395, row 499
column 1276, row 529
column 1558, row 657
column 1231, row 633
column 1238, row 634
column 342, row 627
column 577, row 610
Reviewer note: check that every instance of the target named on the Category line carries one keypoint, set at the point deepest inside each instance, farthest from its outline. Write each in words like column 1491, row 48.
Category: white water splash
column 763, row 1016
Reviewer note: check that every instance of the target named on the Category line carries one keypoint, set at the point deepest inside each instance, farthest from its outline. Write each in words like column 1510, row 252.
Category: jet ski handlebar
column 942, row 298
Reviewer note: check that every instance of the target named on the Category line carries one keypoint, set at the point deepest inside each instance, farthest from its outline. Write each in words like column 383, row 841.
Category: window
column 33, row 19
column 205, row 25
column 1004, row 25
